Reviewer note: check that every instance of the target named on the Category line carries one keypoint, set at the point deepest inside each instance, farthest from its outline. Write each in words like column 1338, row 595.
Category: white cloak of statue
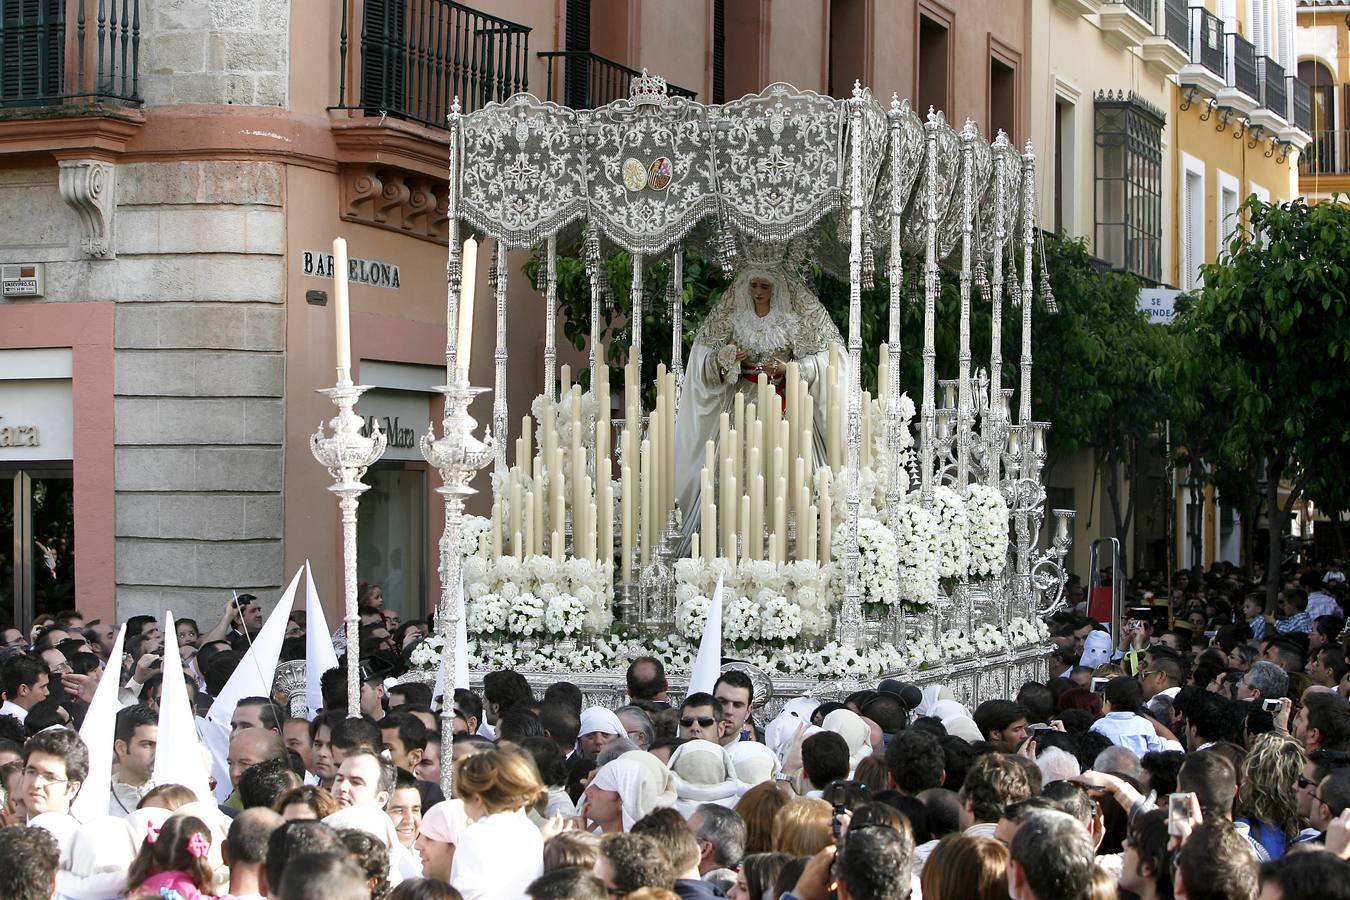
column 733, row 345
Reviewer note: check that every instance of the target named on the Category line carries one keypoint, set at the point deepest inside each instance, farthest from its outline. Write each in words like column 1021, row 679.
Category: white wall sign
column 1157, row 303
column 374, row 272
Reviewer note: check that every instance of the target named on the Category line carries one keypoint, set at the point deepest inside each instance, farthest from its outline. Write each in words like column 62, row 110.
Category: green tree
column 1273, row 307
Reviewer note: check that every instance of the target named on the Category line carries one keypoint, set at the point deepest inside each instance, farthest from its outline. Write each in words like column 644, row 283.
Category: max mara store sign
column 374, row 272
column 36, row 420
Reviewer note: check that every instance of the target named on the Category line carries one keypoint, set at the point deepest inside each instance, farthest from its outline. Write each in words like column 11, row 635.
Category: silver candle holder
column 347, row 454
column 458, row 456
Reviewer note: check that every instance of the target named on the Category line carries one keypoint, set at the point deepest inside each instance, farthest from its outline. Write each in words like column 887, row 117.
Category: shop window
column 1129, row 184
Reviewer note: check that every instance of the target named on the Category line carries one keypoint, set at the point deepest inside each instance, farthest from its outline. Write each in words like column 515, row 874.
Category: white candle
column 341, row 312
column 826, row 519
column 528, row 536
column 808, row 551
column 779, row 519
column 646, row 537
column 747, row 536
column 557, row 546
column 466, row 291
column 729, row 507
column 516, row 511
column 883, row 373
column 626, row 515
column 708, row 519
column 755, row 533
column 865, row 451
column 496, row 530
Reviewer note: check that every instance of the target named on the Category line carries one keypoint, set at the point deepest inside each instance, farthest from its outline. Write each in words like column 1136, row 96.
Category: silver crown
column 648, row 90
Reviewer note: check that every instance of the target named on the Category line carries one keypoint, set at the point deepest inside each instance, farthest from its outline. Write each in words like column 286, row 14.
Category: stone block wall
column 199, row 389
column 216, row 52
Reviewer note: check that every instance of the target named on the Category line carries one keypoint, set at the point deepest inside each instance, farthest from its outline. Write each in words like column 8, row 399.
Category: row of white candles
column 746, row 475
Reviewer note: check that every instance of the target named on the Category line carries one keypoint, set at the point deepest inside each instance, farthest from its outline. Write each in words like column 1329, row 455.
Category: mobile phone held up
column 1099, row 685
column 1178, row 812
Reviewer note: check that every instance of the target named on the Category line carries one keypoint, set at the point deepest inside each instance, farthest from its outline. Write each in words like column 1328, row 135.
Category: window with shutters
column 1129, row 183
column 1192, row 222
column 32, row 40
column 1227, row 212
column 417, row 56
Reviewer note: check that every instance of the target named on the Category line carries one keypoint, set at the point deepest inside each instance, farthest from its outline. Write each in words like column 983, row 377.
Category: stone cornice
column 86, row 132
column 392, row 143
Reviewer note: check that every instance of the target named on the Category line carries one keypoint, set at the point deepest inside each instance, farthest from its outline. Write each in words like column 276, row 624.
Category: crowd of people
column 1201, row 752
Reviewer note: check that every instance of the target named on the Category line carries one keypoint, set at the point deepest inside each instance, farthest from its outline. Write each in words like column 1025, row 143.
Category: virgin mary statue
column 766, row 319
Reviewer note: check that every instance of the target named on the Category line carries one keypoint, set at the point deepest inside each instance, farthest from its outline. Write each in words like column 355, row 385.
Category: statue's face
column 761, row 291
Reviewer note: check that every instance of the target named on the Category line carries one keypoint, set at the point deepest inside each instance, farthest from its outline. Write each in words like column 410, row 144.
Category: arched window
column 1328, row 149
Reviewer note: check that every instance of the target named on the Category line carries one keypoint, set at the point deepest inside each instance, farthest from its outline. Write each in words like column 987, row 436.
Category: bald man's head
column 250, row 746
column 246, row 844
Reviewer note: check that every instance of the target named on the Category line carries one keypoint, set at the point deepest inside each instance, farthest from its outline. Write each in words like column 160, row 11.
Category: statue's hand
column 728, row 359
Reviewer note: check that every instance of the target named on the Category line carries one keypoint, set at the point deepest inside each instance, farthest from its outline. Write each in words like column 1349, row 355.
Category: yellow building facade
column 1154, row 120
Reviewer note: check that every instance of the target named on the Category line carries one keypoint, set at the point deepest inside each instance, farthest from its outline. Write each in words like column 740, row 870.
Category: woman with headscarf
column 442, row 826
column 767, row 318
column 599, row 728
column 703, row 773
column 755, row 764
column 855, row 732
column 625, row 790
column 501, row 851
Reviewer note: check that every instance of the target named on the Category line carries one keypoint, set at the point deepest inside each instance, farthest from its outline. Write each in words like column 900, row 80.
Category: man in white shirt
column 134, row 738
column 1122, row 725
column 24, row 680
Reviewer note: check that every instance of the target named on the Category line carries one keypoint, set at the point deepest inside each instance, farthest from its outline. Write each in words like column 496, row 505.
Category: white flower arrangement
column 1024, row 632
column 879, row 562
column 527, row 615
column 987, row 531
column 921, row 652
column 950, row 511
column 692, row 615
column 740, row 623
column 487, row 614
column 955, row 644
column 780, row 620
column 509, row 594
column 565, row 615
column 917, row 554
column 427, row 654
column 989, row 639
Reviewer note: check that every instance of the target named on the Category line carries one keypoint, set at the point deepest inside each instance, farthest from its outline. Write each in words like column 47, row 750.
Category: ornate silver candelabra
column 346, row 454
column 458, row 456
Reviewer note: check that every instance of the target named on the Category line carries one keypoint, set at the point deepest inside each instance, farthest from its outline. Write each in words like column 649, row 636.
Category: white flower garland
column 917, row 554
column 987, row 530
column 989, row 639
column 950, row 511
column 955, row 644
column 1024, row 632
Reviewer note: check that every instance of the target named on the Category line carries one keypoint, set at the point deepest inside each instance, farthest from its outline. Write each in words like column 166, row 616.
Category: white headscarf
column 948, row 709
column 755, row 763
column 703, row 773
column 965, row 728
column 851, row 727
column 601, row 719
column 445, row 822
column 642, row 782
column 1096, row 650
column 101, row 851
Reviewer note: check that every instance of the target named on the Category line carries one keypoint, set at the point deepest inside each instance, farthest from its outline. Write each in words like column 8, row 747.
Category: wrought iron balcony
column 1274, row 90
column 584, row 80
column 1301, row 104
column 1175, row 26
column 1326, row 155
column 1207, row 44
column 1144, row 9
column 36, row 68
column 417, row 56
column 1242, row 74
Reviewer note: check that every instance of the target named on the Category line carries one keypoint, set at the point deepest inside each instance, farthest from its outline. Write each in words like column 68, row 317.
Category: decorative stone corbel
column 89, row 186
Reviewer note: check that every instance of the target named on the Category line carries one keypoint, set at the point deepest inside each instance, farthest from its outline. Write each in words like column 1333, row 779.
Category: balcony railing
column 1242, row 65
column 1144, row 9
column 1207, row 44
column 1301, row 103
column 1326, row 155
column 1176, row 28
column 584, row 80
column 36, row 68
column 417, row 56
column 1274, row 90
